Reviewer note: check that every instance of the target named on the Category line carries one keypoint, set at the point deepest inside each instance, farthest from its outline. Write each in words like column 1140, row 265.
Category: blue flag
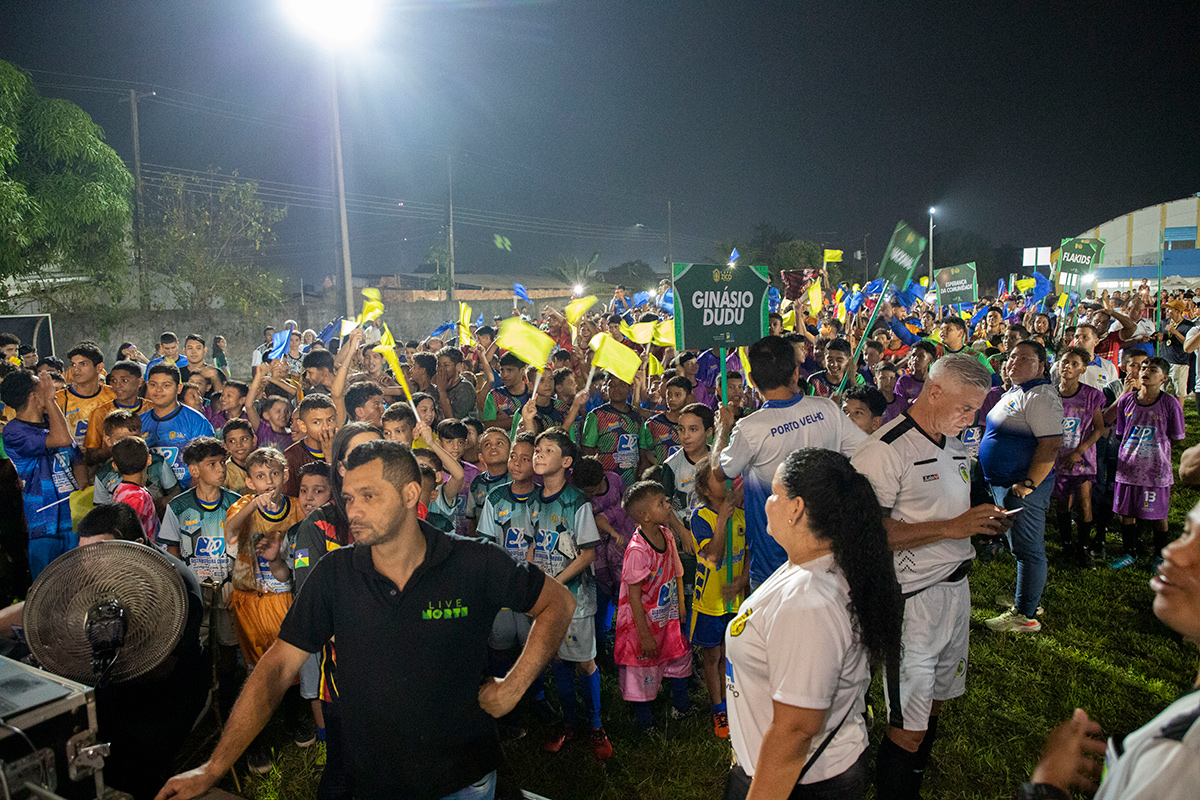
column 479, row 322
column 773, row 300
column 521, row 292
column 640, row 299
column 733, row 256
column 874, row 286
column 445, row 326
column 854, row 303
column 1001, row 290
column 279, row 344
column 910, row 295
column 329, row 331
column 1041, row 286
column 981, row 313
column 666, row 300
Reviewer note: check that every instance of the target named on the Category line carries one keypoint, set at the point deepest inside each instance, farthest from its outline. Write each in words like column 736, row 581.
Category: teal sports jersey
column 562, row 526
column 170, row 434
column 482, row 486
column 616, row 436
column 506, row 520
column 661, row 437
column 159, row 479
column 198, row 529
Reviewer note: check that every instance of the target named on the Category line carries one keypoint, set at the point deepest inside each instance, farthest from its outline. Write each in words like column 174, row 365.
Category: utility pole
column 134, row 96
column 450, row 175
column 670, row 250
column 866, row 261
column 341, row 196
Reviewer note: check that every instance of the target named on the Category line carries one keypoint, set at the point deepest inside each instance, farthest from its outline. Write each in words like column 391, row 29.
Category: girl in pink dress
column 650, row 644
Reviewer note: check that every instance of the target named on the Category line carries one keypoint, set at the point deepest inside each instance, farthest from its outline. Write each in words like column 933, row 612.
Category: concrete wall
column 243, row 332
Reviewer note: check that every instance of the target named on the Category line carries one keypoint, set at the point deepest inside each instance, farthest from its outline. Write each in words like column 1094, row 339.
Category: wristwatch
column 1029, row 484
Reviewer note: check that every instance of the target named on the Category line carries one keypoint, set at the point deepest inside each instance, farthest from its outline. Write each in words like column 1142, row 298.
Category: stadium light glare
column 333, row 24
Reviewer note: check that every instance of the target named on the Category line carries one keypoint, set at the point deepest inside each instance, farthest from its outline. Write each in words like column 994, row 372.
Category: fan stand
column 212, row 704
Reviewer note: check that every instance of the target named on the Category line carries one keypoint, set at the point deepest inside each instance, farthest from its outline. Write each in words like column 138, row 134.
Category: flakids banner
column 1079, row 255
column 717, row 305
column 902, row 254
column 957, row 284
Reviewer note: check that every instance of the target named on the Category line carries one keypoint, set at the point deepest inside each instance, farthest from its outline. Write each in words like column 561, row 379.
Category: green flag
column 901, row 256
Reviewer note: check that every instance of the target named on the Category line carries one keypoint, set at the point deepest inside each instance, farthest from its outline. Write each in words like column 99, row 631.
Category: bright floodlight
column 579, row 288
column 334, row 23
column 932, row 209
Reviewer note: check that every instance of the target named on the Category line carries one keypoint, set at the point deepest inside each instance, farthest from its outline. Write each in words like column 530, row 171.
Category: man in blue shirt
column 168, row 425
column 39, row 444
column 168, row 349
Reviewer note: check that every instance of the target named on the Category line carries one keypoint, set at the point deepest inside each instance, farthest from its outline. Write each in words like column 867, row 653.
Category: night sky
column 1022, row 122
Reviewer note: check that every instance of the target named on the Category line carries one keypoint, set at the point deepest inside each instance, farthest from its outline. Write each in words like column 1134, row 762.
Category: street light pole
column 931, row 212
column 341, row 192
column 138, row 202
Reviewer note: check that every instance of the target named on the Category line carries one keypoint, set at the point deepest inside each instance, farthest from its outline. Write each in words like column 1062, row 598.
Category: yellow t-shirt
column 94, row 437
column 711, row 575
column 78, row 409
column 235, row 478
column 251, row 573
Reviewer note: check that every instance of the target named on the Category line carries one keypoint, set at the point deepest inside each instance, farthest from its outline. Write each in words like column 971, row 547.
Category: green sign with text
column 718, row 305
column 957, row 284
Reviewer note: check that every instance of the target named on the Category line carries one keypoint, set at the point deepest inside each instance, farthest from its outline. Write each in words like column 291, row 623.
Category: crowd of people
column 401, row 546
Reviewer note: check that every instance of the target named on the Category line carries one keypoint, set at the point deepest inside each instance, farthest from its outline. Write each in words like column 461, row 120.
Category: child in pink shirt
column 650, row 644
column 131, row 457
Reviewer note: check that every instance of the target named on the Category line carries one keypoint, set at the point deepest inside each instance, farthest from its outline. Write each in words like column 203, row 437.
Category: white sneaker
column 1011, row 621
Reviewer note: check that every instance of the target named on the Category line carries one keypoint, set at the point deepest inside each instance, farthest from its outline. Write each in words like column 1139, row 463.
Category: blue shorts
column 708, row 630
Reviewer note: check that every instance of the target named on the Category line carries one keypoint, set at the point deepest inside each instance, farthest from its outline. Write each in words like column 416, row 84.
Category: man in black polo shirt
column 411, row 610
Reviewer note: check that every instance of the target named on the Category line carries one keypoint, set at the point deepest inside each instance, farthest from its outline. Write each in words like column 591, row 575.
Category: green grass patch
column 1101, row 648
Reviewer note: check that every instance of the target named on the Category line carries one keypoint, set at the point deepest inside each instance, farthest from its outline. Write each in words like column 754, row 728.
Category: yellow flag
column 528, row 343
column 372, row 294
column 577, row 308
column 841, row 313
column 789, row 319
column 464, row 325
column 389, row 355
column 612, row 356
column 655, row 366
column 387, row 340
column 664, row 333
column 814, row 298
column 641, row 333
column 1025, row 284
column 347, row 326
column 833, row 255
column 372, row 309
column 744, row 357
column 1062, row 300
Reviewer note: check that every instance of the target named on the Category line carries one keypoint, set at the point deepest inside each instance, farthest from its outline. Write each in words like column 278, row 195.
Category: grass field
column 1101, row 648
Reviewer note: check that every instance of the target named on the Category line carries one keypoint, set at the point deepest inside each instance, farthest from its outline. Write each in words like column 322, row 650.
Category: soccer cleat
column 676, row 714
column 601, row 746
column 306, row 731
column 259, row 760
column 1011, row 621
column 562, row 735
column 721, row 724
column 1123, row 562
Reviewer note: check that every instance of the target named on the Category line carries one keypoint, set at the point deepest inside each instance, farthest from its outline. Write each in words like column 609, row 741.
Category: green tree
column 205, row 235
column 573, row 272
column 64, row 198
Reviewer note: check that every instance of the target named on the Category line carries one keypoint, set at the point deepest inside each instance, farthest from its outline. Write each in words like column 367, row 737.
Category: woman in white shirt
column 799, row 650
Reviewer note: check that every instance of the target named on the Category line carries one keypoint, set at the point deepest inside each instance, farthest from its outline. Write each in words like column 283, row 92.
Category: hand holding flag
column 528, row 343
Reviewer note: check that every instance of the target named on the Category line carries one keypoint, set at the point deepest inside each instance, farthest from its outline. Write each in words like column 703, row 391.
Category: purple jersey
column 908, row 387
column 1079, row 415
column 1146, row 433
column 895, row 408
